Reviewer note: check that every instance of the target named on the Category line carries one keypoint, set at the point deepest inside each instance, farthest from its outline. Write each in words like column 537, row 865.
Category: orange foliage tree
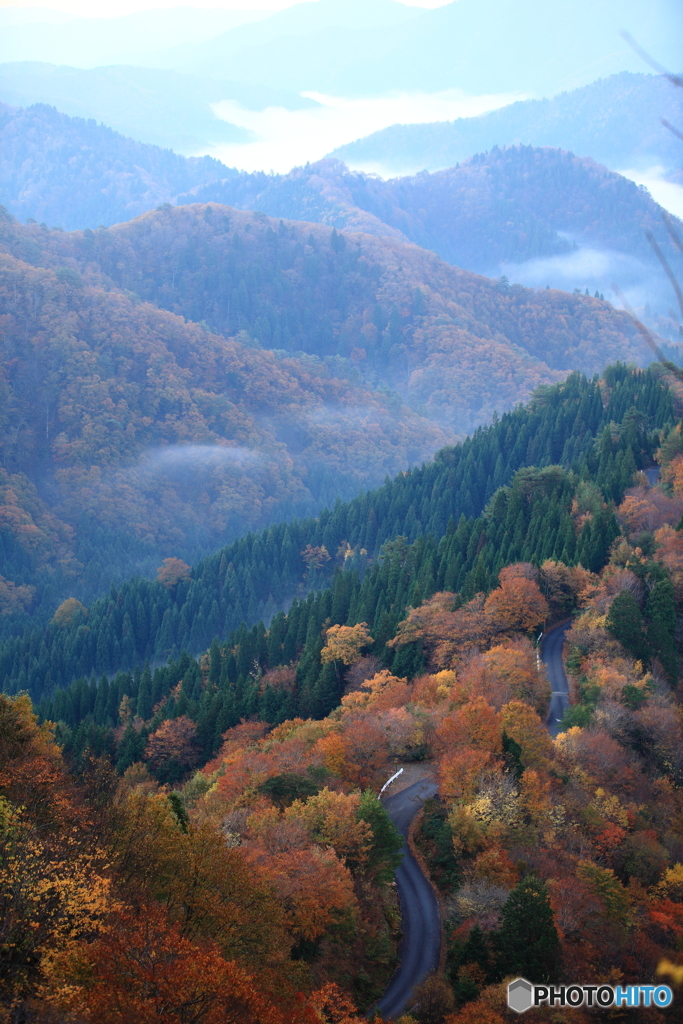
column 174, row 741
column 143, row 969
column 518, row 604
column 474, row 724
column 172, row 571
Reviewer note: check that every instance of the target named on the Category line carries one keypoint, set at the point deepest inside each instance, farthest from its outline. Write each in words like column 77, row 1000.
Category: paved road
column 551, row 654
column 420, row 917
column 652, row 475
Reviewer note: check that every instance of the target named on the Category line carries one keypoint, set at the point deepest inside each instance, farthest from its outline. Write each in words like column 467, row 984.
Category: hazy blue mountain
column 77, row 173
column 616, row 120
column 283, row 27
column 154, row 105
column 479, row 46
column 39, row 34
column 568, row 221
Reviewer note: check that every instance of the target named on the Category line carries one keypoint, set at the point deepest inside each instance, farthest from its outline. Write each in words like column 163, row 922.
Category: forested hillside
column 615, row 120
column 436, row 510
column 232, row 798
column 341, row 586
column 505, row 206
column 76, row 173
column 509, row 205
column 390, row 308
column 148, row 436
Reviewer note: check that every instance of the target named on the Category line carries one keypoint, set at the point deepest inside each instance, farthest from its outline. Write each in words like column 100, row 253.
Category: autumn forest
column 286, row 511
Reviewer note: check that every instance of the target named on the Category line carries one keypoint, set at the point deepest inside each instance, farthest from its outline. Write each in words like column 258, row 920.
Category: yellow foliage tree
column 344, row 643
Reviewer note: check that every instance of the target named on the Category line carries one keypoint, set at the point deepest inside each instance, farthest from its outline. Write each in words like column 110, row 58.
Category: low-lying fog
column 288, row 138
column 645, row 288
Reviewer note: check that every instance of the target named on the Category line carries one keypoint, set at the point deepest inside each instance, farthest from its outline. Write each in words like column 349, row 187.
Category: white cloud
column 178, row 457
column 291, row 137
column 595, row 269
column 666, row 193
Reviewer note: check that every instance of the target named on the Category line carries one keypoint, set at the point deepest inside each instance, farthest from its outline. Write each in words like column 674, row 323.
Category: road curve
column 551, row 655
column 420, row 917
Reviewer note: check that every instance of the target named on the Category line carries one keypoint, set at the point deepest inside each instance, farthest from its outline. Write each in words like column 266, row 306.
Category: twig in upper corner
column 644, row 55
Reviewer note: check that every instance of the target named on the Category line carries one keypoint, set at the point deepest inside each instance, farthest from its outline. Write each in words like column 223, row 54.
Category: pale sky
column 111, row 8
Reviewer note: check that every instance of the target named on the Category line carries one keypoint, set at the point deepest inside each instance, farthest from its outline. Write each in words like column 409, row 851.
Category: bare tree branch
column 667, row 124
column 675, row 237
column 667, row 269
column 674, row 79
column 647, row 337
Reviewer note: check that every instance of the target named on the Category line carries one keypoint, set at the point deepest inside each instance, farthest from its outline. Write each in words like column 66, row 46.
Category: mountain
column 214, row 823
column 152, row 105
column 282, row 365
column 146, row 435
column 290, row 27
column 396, row 313
column 76, row 173
column 541, row 216
column 477, row 46
column 615, row 120
column 504, row 494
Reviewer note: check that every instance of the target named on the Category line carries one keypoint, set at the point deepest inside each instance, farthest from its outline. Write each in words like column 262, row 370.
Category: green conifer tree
column 528, row 942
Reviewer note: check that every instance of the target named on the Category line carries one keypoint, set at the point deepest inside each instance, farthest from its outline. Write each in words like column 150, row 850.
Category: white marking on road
column 392, row 779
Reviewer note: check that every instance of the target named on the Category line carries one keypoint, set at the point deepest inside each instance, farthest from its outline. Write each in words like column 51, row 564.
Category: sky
column 110, row 8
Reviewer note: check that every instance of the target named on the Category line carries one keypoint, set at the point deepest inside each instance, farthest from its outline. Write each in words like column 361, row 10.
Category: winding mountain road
column 551, row 654
column 420, row 916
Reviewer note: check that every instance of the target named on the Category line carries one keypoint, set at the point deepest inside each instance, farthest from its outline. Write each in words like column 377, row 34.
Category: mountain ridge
column 616, row 121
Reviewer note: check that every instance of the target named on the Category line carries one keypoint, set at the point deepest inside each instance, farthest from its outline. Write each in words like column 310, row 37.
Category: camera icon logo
column 520, row 995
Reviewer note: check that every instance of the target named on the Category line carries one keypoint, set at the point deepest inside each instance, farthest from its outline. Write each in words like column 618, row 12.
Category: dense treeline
column 116, row 906
column 77, row 173
column 428, row 529
column 120, row 419
column 257, row 887
column 209, row 829
column 454, row 345
column 505, row 205
column 127, row 430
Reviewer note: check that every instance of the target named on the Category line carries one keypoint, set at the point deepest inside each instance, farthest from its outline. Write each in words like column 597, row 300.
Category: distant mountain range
column 155, row 75
column 153, row 105
column 41, row 34
column 541, row 216
column 509, row 205
column 477, row 46
column 616, row 120
column 167, row 37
